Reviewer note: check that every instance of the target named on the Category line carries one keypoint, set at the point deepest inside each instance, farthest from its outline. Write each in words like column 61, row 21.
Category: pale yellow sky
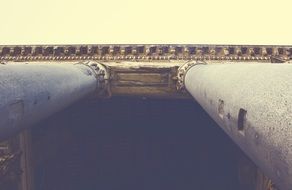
column 146, row 21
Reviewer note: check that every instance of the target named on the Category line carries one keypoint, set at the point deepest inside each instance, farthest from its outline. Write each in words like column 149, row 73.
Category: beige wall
column 145, row 21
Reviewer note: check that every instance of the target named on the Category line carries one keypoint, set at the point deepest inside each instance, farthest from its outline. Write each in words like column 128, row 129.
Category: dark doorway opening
column 130, row 144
